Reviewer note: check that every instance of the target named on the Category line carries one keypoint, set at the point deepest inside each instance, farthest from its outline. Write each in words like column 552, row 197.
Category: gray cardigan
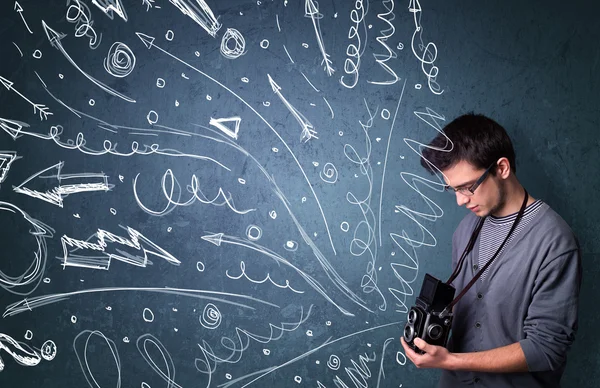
column 530, row 296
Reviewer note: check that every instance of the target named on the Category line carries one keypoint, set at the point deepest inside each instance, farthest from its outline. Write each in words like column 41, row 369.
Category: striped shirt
column 495, row 230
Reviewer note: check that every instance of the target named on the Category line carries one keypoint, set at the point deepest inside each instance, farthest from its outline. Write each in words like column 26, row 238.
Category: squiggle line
column 355, row 51
column 193, row 189
column 110, row 148
column 429, row 55
column 328, row 342
column 268, row 277
column 149, row 42
column 382, row 39
column 87, row 373
column 327, row 267
column 209, row 361
column 55, row 40
column 358, row 245
column 427, row 238
column 83, row 22
column 221, row 238
column 142, row 343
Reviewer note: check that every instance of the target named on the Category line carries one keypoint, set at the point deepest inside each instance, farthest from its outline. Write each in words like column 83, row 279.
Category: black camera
column 428, row 319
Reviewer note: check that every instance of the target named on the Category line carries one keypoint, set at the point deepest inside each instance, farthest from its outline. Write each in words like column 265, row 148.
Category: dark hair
column 477, row 139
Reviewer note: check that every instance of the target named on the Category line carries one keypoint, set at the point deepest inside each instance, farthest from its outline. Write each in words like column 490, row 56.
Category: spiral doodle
column 211, row 317
column 334, row 362
column 48, row 350
column 120, row 60
column 329, row 173
column 239, row 44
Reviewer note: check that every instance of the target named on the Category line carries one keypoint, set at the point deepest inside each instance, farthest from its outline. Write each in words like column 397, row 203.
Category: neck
column 514, row 194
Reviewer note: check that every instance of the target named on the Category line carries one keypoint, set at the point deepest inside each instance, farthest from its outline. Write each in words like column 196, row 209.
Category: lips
column 474, row 208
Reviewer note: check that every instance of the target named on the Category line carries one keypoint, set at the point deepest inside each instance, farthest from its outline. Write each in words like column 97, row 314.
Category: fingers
column 408, row 351
column 424, row 346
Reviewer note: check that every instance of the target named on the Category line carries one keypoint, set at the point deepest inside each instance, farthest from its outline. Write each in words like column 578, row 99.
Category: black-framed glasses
column 468, row 191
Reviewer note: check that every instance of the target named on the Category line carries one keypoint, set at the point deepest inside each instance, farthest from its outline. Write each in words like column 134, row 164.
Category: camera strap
column 469, row 248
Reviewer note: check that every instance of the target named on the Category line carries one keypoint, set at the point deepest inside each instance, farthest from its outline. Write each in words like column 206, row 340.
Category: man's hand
column 434, row 357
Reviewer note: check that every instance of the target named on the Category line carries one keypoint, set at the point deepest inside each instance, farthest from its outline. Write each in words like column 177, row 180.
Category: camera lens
column 409, row 333
column 412, row 316
column 434, row 331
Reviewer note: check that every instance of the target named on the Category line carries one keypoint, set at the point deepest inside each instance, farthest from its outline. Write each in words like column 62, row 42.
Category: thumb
column 421, row 344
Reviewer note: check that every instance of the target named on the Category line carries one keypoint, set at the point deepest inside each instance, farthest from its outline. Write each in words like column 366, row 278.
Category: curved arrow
column 55, row 38
column 19, row 9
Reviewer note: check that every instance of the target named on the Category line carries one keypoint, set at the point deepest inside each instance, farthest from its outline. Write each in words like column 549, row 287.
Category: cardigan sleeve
column 551, row 321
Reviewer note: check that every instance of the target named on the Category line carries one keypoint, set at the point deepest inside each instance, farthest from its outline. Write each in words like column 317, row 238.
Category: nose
column 461, row 199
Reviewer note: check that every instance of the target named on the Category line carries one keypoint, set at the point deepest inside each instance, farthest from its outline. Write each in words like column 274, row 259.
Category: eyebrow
column 466, row 184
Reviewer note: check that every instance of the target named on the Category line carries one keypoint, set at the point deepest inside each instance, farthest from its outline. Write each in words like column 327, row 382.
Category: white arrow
column 136, row 241
column 311, row 11
column 83, row 183
column 43, row 109
column 19, row 9
column 308, row 130
column 6, row 159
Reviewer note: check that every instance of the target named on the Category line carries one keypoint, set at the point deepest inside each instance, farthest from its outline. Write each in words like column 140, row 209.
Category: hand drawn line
column 220, row 124
column 243, row 274
column 19, row 351
column 44, row 113
column 221, row 238
column 288, row 54
column 310, row 83
column 79, row 14
column 83, row 358
column 54, row 38
column 19, row 9
column 15, row 129
column 83, row 182
column 203, row 16
column 136, row 240
column 328, row 342
column 386, row 159
column 193, row 188
column 110, row 6
column 20, row 52
column 79, row 143
column 354, row 51
column 329, row 106
column 6, row 159
column 33, row 274
column 149, row 42
column 44, row 300
column 429, row 51
column 311, row 10
column 402, row 271
column 308, row 130
column 330, row 271
column 381, row 59
column 364, row 236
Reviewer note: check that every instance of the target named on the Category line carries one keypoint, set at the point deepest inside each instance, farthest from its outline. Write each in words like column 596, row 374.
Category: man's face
column 488, row 198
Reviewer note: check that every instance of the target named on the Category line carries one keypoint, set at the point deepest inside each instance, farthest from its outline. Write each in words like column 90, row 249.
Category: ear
column 503, row 168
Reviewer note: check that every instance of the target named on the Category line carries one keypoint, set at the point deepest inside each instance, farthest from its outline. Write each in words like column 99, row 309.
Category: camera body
column 424, row 318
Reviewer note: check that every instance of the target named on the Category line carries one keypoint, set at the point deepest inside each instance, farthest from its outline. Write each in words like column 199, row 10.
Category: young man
column 514, row 326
